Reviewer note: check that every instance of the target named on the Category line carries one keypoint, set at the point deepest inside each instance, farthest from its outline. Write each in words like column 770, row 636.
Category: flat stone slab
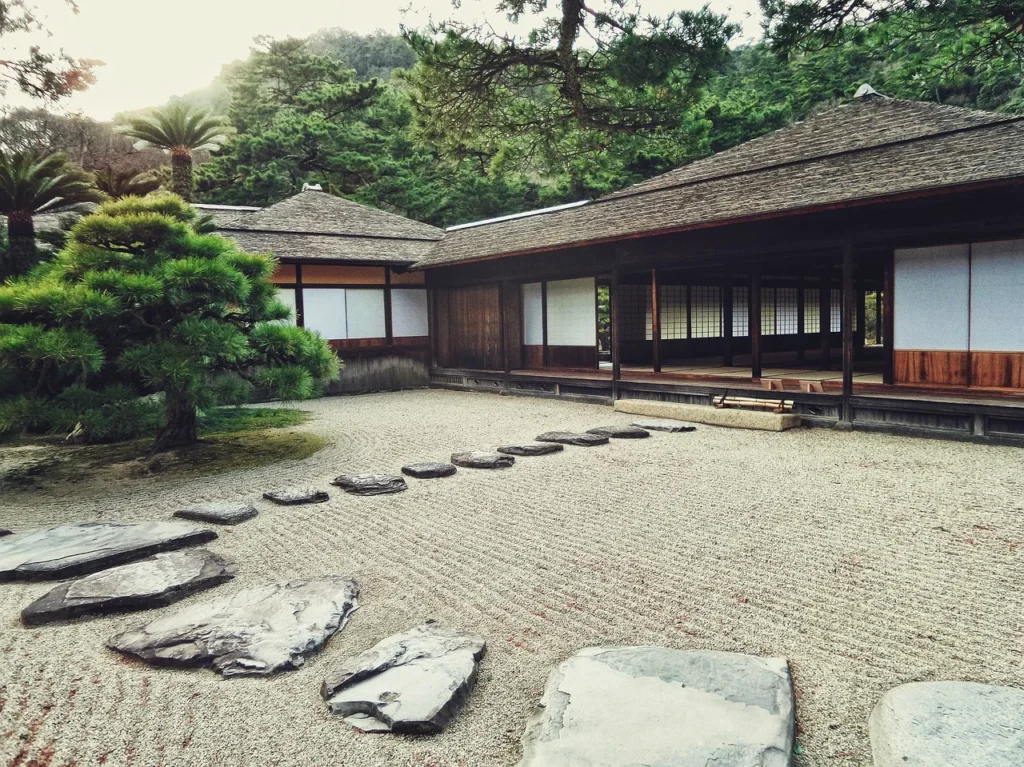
column 482, row 459
column 664, row 424
column 5, row 532
column 429, row 470
column 257, row 632
column 619, row 706
column 157, row 581
column 296, row 496
column 729, row 417
column 221, row 513
column 370, row 484
column 78, row 548
column 411, row 683
column 620, row 432
column 571, row 438
column 941, row 724
column 531, row 448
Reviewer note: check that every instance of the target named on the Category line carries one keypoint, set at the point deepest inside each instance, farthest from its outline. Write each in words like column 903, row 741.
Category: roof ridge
column 356, row 235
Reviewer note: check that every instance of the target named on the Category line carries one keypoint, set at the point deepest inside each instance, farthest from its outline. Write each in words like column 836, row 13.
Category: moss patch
column 228, row 420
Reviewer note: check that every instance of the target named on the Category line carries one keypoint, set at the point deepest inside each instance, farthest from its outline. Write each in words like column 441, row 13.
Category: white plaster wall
column 533, row 314
column 572, row 312
column 409, row 313
column 997, row 296
column 365, row 312
column 931, row 298
column 324, row 312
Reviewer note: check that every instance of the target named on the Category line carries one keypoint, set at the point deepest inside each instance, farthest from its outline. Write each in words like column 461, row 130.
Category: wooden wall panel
column 408, row 278
column 469, row 328
column 533, row 356
column 441, row 329
column 946, row 368
column 325, row 274
column 572, row 356
column 513, row 302
column 284, row 274
column 1004, row 370
column 410, row 341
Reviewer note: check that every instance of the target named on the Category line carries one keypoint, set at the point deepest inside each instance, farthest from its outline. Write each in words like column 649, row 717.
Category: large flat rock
column 295, row 496
column 4, row 532
column 531, row 448
column 626, row 706
column 413, row 682
column 948, row 724
column 572, row 438
column 78, row 548
column 664, row 424
column 429, row 470
column 729, row 417
column 620, row 432
column 370, row 484
column 157, row 581
column 257, row 632
column 219, row 513
column 482, row 459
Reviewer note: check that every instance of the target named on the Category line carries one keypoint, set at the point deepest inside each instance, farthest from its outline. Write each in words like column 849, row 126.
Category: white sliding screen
column 533, row 314
column 324, row 312
column 408, row 313
column 287, row 297
column 932, row 298
column 572, row 312
column 997, row 296
column 364, row 310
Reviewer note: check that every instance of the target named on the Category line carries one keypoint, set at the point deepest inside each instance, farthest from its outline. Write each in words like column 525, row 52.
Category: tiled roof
column 330, row 247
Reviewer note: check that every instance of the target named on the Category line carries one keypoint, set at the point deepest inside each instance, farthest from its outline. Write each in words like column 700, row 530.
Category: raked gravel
column 867, row 560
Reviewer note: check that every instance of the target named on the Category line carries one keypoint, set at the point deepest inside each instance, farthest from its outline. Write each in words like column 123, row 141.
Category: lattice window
column 740, row 312
column 635, row 308
column 812, row 317
column 767, row 311
column 672, row 305
column 837, row 310
column 786, row 312
column 706, row 312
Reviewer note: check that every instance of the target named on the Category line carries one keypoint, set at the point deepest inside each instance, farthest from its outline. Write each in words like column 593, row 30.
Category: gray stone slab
column 5, row 532
column 157, row 581
column 219, row 513
column 412, row 683
column 429, row 470
column 370, row 484
column 295, row 496
column 257, row 632
column 948, row 724
column 78, row 548
column 531, row 448
column 664, row 424
column 482, row 459
column 625, row 706
column 620, row 432
column 572, row 438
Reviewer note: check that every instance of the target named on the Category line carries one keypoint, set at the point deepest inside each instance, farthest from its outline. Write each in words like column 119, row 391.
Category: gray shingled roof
column 331, row 247
column 872, row 148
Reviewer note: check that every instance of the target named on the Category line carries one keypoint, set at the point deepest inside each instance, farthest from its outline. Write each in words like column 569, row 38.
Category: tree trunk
column 21, row 234
column 181, row 165
column 180, row 429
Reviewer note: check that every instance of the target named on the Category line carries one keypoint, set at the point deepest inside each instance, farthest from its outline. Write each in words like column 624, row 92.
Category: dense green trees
column 38, row 72
column 139, row 303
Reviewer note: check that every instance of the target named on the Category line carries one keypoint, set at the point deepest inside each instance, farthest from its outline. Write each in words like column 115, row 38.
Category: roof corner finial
column 866, row 91
column 312, row 187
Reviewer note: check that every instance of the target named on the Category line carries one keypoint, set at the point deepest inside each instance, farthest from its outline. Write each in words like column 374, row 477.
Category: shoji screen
column 408, row 313
column 533, row 315
column 997, row 296
column 287, row 297
column 324, row 312
column 364, row 310
column 572, row 312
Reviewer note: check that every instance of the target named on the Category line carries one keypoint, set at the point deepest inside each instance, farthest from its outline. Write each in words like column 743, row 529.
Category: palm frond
column 31, row 183
column 177, row 127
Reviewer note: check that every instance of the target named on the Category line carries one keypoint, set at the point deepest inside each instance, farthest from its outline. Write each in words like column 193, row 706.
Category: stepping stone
column 6, row 532
column 78, row 548
column 531, row 448
column 155, row 582
column 222, row 513
column 370, row 484
column 617, row 706
column 620, row 432
column 296, row 496
column 257, row 632
column 941, row 724
column 664, row 424
column 410, row 683
column 571, row 438
column 482, row 459
column 429, row 470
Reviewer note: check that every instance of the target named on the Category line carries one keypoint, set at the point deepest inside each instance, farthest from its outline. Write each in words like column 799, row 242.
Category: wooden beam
column 755, row 321
column 727, row 317
column 616, row 331
column 825, row 316
column 544, row 322
column 801, row 316
column 847, row 325
column 888, row 322
column 655, row 322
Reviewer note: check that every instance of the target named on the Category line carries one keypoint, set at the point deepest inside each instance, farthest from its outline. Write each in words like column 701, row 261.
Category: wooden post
column 506, row 360
column 616, row 331
column 544, row 323
column 755, row 321
column 878, row 315
column 825, row 316
column 655, row 322
column 300, row 308
column 847, row 325
column 389, row 332
column 727, row 317
column 862, row 318
column 801, row 316
column 432, row 325
column 888, row 322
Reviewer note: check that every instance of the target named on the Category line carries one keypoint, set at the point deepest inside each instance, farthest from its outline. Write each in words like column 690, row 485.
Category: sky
column 152, row 51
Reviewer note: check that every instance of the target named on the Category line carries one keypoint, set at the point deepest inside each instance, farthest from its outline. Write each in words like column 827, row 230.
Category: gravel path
column 867, row 560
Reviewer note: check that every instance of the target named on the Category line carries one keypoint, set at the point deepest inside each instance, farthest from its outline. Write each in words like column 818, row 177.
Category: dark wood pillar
column 754, row 323
column 655, row 322
column 888, row 322
column 544, row 323
column 300, row 308
column 825, row 316
column 801, row 315
column 878, row 315
column 727, row 317
column 616, row 331
column 847, row 326
column 860, row 336
column 389, row 333
column 502, row 310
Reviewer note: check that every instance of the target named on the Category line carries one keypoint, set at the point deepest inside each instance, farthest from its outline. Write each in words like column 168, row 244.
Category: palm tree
column 30, row 184
column 126, row 183
column 181, row 131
